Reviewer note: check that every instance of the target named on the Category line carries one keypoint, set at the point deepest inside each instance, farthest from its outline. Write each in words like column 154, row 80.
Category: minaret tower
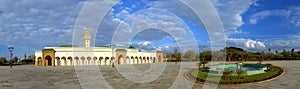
column 87, row 38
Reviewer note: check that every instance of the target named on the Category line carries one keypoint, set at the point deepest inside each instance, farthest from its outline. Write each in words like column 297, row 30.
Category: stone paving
column 107, row 77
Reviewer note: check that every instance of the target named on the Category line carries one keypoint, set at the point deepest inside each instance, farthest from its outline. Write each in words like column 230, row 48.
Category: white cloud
column 29, row 23
column 145, row 46
column 292, row 14
column 292, row 41
column 231, row 11
column 246, row 43
column 253, row 21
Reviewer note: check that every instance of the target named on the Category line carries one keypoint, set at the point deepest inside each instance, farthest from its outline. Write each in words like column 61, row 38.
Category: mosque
column 84, row 56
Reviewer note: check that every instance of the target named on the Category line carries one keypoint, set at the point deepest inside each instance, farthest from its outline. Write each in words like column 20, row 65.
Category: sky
column 254, row 25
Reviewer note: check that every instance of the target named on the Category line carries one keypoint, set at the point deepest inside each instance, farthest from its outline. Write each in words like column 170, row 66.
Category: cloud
column 292, row 14
column 253, row 21
column 246, row 43
column 231, row 11
column 25, row 23
column 292, row 41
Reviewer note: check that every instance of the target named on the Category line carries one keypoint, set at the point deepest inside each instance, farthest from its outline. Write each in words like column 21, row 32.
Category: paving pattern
column 107, row 77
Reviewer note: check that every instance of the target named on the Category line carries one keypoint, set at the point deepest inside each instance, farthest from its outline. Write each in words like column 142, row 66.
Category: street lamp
column 10, row 48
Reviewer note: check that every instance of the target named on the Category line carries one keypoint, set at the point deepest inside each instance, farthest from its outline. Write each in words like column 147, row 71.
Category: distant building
column 80, row 56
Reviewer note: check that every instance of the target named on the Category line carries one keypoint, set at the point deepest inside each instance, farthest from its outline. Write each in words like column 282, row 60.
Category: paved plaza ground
column 101, row 77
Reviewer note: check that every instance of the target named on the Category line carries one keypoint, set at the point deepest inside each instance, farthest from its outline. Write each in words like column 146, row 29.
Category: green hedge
column 202, row 76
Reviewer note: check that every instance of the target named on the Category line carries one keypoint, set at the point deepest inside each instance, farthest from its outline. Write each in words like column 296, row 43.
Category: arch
column 88, row 60
column 144, row 60
column 57, row 61
column 106, row 61
column 82, row 60
column 120, row 59
column 48, row 60
column 140, row 60
column 132, row 60
column 127, row 60
column 100, row 61
column 76, row 60
column 40, row 61
column 70, row 60
column 64, row 61
column 148, row 60
column 95, row 60
column 159, row 58
column 136, row 60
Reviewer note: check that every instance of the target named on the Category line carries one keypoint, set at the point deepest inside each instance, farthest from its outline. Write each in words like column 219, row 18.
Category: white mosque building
column 82, row 56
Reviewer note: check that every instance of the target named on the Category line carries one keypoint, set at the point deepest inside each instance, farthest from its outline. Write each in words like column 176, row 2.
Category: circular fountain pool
column 249, row 69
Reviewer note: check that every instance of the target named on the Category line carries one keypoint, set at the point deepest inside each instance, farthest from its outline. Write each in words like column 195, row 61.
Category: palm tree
column 203, row 63
column 268, row 66
column 286, row 54
column 292, row 53
column 240, row 73
column 226, row 74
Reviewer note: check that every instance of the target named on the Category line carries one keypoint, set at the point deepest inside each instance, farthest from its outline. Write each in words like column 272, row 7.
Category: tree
column 268, row 66
column 286, row 54
column 292, row 53
column 234, row 53
column 3, row 60
column 189, row 55
column 240, row 73
column 15, row 59
column 205, row 56
column 260, row 60
column 227, row 73
column 203, row 63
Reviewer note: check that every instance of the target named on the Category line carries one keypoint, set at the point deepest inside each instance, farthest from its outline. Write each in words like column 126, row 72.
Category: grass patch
column 233, row 79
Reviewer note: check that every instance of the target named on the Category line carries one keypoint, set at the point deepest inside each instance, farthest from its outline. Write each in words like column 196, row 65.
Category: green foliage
column 286, row 54
column 68, row 46
column 237, row 54
column 15, row 59
column 3, row 60
column 240, row 73
column 226, row 74
column 203, row 64
column 28, row 61
column 232, row 79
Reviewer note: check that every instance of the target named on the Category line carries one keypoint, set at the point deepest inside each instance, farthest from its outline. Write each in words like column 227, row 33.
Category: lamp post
column 10, row 48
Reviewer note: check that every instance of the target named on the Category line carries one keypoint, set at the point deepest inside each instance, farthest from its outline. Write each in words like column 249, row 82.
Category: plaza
column 64, row 77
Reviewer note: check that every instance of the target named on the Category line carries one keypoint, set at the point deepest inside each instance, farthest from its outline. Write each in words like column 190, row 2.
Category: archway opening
column 76, row 60
column 70, row 61
column 39, row 61
column 57, row 61
column 120, row 59
column 48, row 60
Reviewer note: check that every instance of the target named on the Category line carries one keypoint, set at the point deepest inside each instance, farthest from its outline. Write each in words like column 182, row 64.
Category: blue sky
column 254, row 25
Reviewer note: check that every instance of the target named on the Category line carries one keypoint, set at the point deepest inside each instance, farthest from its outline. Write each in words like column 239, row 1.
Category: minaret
column 87, row 38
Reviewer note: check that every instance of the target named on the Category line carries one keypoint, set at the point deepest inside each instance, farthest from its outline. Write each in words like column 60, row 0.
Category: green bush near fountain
column 201, row 75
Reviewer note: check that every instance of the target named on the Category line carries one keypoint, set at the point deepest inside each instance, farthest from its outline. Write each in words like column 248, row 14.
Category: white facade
column 73, row 56
column 70, row 56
